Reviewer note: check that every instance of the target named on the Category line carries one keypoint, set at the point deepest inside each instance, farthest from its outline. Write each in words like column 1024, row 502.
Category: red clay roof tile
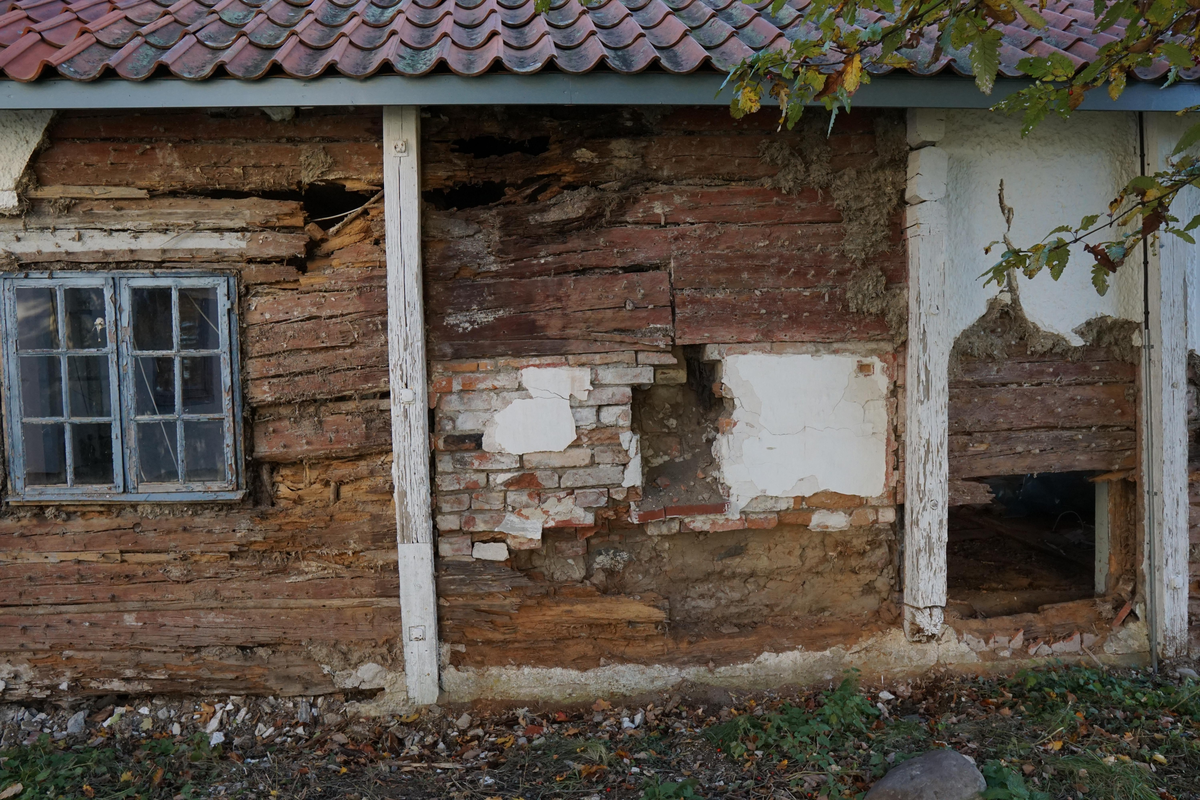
column 196, row 39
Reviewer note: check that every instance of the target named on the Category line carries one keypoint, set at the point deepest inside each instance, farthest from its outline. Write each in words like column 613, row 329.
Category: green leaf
column 1031, row 17
column 1190, row 137
column 1088, row 221
column 1178, row 55
column 985, row 60
column 1187, row 237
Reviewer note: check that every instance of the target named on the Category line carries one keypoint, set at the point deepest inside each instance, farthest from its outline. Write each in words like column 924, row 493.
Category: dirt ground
column 1057, row 732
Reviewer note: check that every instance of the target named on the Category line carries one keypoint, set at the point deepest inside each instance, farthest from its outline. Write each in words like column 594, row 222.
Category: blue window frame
column 121, row 387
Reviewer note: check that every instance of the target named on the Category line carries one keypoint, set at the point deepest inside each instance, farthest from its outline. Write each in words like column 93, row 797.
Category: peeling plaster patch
column 538, row 425
column 632, row 443
column 20, row 134
column 521, row 526
column 803, row 424
column 490, row 551
column 557, row 382
column 823, row 520
column 543, row 423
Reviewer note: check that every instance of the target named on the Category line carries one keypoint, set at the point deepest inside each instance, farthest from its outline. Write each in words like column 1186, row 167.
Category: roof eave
column 543, row 88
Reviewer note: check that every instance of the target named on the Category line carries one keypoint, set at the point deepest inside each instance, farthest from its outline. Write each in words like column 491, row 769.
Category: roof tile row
column 196, row 39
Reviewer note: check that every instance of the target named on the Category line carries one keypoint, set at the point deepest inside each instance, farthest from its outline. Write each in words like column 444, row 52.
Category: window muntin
column 146, row 409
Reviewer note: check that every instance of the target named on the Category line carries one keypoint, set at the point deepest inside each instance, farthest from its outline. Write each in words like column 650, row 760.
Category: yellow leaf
column 1056, row 745
column 853, row 76
column 410, row 718
column 127, row 777
column 1161, row 759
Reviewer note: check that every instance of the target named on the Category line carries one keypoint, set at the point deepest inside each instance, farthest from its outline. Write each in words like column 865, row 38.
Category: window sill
column 118, row 499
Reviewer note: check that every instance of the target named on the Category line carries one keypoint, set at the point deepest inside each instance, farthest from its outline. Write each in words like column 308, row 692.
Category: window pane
column 45, row 454
column 93, row 454
column 204, row 451
column 155, row 386
column 85, row 318
column 41, row 386
column 37, row 319
column 152, row 319
column 87, row 386
column 198, row 319
column 202, row 385
column 156, row 452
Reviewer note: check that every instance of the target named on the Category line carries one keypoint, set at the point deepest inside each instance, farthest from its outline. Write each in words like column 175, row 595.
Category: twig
column 355, row 214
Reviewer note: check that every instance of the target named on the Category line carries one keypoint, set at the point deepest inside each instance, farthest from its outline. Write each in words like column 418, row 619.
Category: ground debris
column 1058, row 732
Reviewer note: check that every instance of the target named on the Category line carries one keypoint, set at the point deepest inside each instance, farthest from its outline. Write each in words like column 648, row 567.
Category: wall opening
column 1022, row 542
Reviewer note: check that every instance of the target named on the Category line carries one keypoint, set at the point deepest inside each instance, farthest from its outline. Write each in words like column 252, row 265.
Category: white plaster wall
column 20, row 134
column 1061, row 172
column 803, row 424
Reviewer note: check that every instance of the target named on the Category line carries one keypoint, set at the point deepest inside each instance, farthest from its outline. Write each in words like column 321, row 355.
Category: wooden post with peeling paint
column 926, row 461
column 1164, row 415
column 410, row 420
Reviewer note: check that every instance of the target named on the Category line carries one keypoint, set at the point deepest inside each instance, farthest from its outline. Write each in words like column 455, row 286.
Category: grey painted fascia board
column 543, row 88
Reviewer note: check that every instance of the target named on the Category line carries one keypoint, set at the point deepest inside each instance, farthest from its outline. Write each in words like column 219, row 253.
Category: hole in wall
column 466, row 195
column 327, row 203
column 489, row 146
column 1021, row 542
column 678, row 425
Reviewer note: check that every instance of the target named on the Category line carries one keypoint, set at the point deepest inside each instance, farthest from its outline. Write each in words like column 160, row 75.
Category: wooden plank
column 1015, row 408
column 40, row 246
column 163, row 124
column 327, row 374
column 409, row 418
column 926, row 464
column 1094, row 366
column 975, row 455
column 551, row 334
column 85, row 192
column 196, row 213
column 1164, row 415
column 329, row 430
column 244, row 166
column 771, row 316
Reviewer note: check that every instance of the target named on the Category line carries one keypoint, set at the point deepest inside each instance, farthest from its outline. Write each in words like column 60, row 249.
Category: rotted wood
column 980, row 454
column 322, row 430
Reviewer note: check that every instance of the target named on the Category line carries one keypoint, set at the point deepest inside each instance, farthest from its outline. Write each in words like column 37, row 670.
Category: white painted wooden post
column 926, row 469
column 410, row 420
column 1164, row 417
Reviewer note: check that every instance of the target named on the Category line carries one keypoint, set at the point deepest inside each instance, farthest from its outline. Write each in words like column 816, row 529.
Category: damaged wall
column 293, row 590
column 604, row 295
column 1059, row 173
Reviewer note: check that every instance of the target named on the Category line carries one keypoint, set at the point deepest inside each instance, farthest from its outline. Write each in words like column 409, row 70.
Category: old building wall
column 293, row 589
column 623, row 305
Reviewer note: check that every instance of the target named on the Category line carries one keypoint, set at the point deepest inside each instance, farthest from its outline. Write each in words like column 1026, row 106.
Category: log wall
column 294, row 588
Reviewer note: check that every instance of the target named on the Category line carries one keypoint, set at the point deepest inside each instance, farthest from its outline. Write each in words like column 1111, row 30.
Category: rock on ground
column 936, row 775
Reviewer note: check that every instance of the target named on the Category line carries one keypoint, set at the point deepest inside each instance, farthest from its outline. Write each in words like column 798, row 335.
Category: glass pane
column 198, row 319
column 204, row 451
column 85, row 318
column 37, row 319
column 41, row 386
column 152, row 319
column 154, row 386
column 93, row 454
column 87, row 386
column 156, row 452
column 202, row 385
column 45, row 454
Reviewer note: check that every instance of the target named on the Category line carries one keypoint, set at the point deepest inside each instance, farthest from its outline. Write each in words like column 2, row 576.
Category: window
column 120, row 387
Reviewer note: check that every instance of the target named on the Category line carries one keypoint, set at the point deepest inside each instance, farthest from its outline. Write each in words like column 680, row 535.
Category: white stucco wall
column 803, row 424
column 1061, row 172
column 20, row 134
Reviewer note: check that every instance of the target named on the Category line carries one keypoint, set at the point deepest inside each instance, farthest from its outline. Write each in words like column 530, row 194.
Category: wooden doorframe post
column 927, row 381
column 1164, row 412
column 408, row 381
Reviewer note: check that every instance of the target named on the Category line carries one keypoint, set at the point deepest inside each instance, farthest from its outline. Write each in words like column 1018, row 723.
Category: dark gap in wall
column 466, row 195
column 489, row 146
column 1193, row 412
column 678, row 422
column 1022, row 542
column 328, row 203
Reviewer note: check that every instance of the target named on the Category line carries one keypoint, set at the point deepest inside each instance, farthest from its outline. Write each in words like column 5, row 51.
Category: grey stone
column 1187, row 672
column 77, row 723
column 936, row 775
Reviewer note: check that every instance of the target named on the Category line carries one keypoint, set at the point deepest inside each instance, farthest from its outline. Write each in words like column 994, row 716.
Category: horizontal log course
column 316, row 431
column 1008, row 408
column 1024, row 452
